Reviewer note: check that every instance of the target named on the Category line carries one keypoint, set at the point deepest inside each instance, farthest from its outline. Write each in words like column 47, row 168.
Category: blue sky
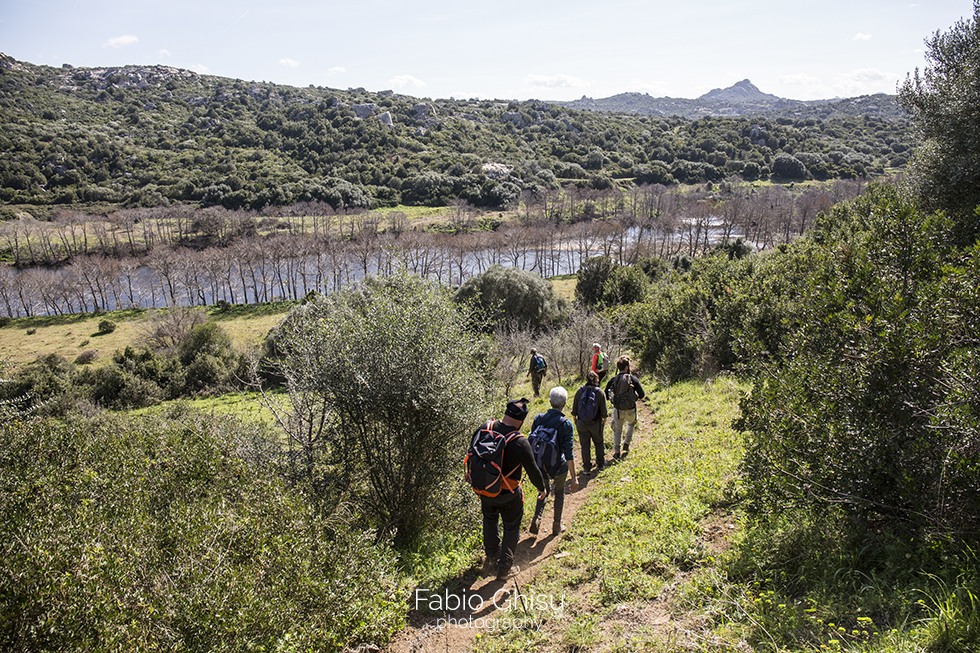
column 503, row 49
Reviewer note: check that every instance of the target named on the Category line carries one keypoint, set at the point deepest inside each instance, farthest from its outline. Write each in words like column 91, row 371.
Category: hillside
column 745, row 99
column 97, row 139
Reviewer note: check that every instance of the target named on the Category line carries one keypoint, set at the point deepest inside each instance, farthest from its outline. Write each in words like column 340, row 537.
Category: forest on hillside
column 148, row 136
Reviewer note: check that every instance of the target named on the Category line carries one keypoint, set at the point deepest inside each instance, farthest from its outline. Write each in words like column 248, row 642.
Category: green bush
column 874, row 408
column 156, row 535
column 383, row 392
column 106, row 326
column 513, row 294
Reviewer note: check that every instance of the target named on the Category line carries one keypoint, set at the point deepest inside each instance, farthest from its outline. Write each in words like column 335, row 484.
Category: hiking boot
column 504, row 574
column 616, row 456
column 558, row 528
column 489, row 566
column 626, row 448
column 533, row 528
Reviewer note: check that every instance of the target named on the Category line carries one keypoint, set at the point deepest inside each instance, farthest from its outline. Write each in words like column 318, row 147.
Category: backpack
column 539, row 363
column 484, row 462
column 600, row 363
column 624, row 398
column 588, row 405
column 547, row 453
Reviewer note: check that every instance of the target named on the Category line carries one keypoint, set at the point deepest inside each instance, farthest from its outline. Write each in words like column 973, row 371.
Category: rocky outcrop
column 362, row 111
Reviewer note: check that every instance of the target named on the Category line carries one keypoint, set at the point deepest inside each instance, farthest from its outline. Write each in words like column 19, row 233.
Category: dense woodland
column 147, row 136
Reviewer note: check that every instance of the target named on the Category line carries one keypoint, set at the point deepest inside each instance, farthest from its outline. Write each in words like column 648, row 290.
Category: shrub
column 156, row 535
column 592, row 276
column 875, row 411
column 383, row 388
column 106, row 326
column 521, row 296
column 86, row 357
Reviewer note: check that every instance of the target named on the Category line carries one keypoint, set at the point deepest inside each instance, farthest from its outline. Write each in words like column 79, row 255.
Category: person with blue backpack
column 497, row 454
column 589, row 411
column 551, row 439
column 536, row 370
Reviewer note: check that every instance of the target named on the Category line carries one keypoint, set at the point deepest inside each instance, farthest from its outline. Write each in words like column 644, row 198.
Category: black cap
column 517, row 409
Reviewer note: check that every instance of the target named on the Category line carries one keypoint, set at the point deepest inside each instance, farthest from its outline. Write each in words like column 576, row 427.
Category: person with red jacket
column 599, row 362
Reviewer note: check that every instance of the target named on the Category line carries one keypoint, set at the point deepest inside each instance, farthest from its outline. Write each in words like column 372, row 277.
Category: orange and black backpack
column 485, row 462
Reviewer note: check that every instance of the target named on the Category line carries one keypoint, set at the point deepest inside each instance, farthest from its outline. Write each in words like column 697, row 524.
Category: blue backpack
column 547, row 452
column 588, row 405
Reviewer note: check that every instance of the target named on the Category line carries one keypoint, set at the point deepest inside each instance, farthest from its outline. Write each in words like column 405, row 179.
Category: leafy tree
column 592, row 276
column 386, row 370
column 943, row 101
column 787, row 166
column 508, row 293
column 626, row 285
column 874, row 408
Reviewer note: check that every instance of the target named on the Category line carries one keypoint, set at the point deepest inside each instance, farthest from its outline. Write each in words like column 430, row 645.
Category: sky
column 500, row 49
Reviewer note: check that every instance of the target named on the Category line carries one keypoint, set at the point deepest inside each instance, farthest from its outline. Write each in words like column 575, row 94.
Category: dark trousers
column 591, row 434
column 536, row 378
column 508, row 508
column 559, row 494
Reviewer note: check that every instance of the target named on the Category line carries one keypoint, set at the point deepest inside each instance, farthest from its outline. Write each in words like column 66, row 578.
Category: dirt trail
column 426, row 633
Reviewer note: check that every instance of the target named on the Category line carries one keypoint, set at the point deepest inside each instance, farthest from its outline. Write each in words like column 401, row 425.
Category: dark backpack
column 547, row 452
column 539, row 363
column 485, row 462
column 624, row 394
column 588, row 404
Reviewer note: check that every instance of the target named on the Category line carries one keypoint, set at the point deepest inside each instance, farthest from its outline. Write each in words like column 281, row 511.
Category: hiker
column 536, row 370
column 589, row 411
column 623, row 390
column 565, row 458
column 508, row 506
column 598, row 362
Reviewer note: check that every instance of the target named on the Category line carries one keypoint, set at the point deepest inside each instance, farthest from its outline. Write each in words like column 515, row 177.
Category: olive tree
column 943, row 101
column 385, row 390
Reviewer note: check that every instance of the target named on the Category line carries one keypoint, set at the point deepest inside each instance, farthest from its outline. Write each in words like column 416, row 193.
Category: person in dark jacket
column 536, row 370
column 508, row 506
column 590, row 431
column 555, row 419
column 623, row 390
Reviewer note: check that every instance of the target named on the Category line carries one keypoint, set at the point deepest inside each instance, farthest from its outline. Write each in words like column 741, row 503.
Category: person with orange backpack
column 498, row 452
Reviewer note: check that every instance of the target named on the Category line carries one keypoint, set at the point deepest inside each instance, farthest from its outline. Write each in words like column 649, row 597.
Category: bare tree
column 165, row 329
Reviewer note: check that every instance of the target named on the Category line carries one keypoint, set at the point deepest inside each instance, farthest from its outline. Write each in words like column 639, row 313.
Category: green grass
column 641, row 526
column 647, row 542
column 24, row 339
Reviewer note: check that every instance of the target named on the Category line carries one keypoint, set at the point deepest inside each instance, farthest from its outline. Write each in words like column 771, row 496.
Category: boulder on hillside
column 363, row 111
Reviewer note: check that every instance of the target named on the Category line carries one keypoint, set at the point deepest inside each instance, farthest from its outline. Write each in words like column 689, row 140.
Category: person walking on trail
column 623, row 390
column 536, row 371
column 508, row 506
column 589, row 411
column 564, row 438
column 599, row 360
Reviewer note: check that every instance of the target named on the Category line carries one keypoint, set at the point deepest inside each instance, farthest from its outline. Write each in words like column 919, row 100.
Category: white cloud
column 336, row 70
column 200, row 69
column 405, row 81
column 120, row 41
column 286, row 61
column 862, row 37
column 799, row 80
column 553, row 81
column 164, row 53
column 865, row 81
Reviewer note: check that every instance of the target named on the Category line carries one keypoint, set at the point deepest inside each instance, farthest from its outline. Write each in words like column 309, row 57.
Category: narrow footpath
column 430, row 633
